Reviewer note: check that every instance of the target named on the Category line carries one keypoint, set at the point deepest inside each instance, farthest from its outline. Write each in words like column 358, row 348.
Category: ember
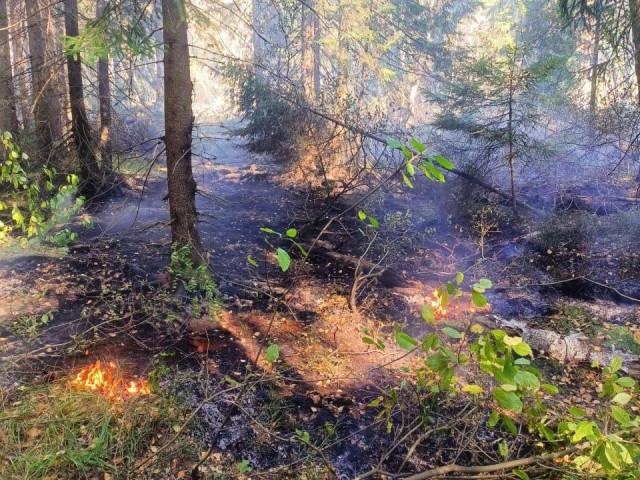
column 437, row 304
column 105, row 379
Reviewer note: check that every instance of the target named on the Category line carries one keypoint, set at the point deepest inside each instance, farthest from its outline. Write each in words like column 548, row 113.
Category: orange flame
column 437, row 304
column 106, row 380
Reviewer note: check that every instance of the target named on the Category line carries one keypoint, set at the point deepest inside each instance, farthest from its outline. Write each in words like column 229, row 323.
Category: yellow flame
column 105, row 379
column 436, row 303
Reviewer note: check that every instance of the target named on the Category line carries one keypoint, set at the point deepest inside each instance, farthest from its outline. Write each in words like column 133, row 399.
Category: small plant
column 282, row 256
column 30, row 326
column 196, row 280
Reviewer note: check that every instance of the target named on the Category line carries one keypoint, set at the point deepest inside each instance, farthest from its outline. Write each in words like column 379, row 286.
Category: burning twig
column 106, row 380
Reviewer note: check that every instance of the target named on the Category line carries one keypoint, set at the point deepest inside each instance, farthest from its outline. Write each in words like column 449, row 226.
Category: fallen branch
column 455, row 171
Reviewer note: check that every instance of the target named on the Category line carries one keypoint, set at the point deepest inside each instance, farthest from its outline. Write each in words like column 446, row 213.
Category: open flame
column 437, row 304
column 105, row 379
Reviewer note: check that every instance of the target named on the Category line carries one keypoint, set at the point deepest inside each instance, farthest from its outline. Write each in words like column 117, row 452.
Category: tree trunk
column 80, row 128
column 512, row 153
column 46, row 106
column 258, row 39
column 634, row 14
column 8, row 117
column 593, row 101
column 309, row 50
column 104, row 107
column 178, row 121
column 20, row 63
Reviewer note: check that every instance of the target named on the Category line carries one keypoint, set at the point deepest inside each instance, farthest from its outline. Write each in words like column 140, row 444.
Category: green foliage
column 606, row 439
column 272, row 123
column 282, row 256
column 121, row 31
column 30, row 326
column 196, row 280
column 36, row 206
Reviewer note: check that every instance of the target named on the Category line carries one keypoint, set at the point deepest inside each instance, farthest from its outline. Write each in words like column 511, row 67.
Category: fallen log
column 572, row 348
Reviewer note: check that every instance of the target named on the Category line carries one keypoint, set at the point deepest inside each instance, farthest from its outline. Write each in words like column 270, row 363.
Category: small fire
column 437, row 304
column 105, row 379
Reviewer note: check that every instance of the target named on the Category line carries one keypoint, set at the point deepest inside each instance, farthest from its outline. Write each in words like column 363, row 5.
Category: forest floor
column 306, row 413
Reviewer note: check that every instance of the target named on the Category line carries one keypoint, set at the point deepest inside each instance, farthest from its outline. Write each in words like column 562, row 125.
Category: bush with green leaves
column 599, row 444
column 32, row 205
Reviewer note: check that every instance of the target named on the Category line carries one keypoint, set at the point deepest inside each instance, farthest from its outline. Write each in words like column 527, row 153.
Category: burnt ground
column 110, row 298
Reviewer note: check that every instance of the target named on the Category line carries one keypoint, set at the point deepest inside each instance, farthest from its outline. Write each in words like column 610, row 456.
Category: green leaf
column 493, row 419
column 444, row 162
column 503, row 448
column 620, row 414
column 521, row 474
column 434, row 172
column 478, row 299
column 405, row 341
column 473, row 389
column 394, row 144
column 428, row 315
column 291, row 233
column 509, row 426
column 374, row 223
column 626, row 382
column 523, row 349
column 268, row 230
column 438, row 362
column 244, row 466
column 273, row 353
column 362, row 215
column 621, row 398
column 507, row 400
column 417, row 145
column 527, row 380
column 451, row 332
column 577, row 412
column 284, row 260
column 410, row 169
column 511, row 341
column 406, row 180
column 584, row 430
column 251, row 261
column 459, row 277
column 552, row 389
column 408, row 154
column 616, row 364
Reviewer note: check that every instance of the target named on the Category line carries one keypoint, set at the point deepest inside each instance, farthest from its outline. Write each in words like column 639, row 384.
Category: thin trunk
column 20, row 63
column 178, row 129
column 593, row 102
column 104, row 106
column 8, row 117
column 257, row 39
column 80, row 128
column 634, row 14
column 511, row 154
column 310, row 66
column 46, row 106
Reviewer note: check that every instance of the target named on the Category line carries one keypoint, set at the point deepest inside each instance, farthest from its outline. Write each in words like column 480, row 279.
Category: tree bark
column 593, row 100
column 46, row 105
column 178, row 129
column 80, row 128
column 310, row 52
column 8, row 116
column 634, row 14
column 104, row 106
column 20, row 63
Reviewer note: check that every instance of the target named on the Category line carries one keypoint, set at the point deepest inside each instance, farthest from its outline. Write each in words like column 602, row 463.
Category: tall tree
column 104, row 105
column 8, row 117
column 310, row 49
column 46, row 109
column 20, row 62
column 178, row 115
column 80, row 128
